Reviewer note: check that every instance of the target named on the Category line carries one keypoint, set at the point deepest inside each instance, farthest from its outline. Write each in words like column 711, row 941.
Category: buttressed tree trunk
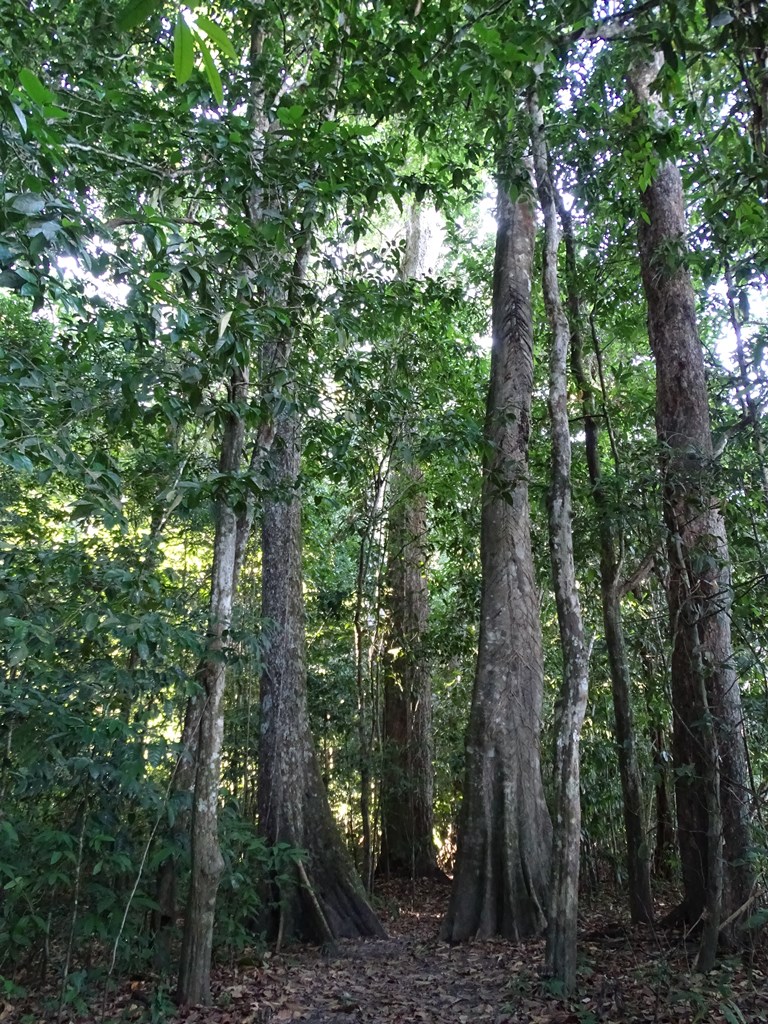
column 407, row 843
column 501, row 883
column 708, row 740
column 326, row 900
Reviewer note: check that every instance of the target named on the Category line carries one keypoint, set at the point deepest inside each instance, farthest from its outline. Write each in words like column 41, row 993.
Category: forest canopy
column 383, row 475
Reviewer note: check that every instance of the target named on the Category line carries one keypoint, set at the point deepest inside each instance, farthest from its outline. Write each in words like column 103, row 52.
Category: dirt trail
column 411, row 976
column 628, row 975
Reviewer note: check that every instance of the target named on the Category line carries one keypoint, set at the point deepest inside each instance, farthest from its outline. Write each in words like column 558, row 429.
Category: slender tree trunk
column 707, row 717
column 407, row 842
column 502, row 869
column 327, row 900
column 183, row 789
column 207, row 863
column 564, row 899
column 749, row 405
column 364, row 645
column 637, row 847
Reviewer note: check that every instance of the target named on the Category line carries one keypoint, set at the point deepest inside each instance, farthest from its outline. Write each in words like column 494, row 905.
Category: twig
column 737, row 913
column 324, row 926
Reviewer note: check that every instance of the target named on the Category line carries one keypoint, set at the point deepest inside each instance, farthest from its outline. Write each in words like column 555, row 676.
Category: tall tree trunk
column 407, row 843
column 564, row 898
column 326, row 900
column 502, row 870
column 638, row 850
column 707, row 717
column 204, row 720
column 207, row 862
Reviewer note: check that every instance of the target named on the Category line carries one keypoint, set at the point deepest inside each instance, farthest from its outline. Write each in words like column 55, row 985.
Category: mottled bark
column 637, row 847
column 207, row 862
column 572, row 704
column 407, row 843
column 502, row 869
column 327, row 899
column 708, row 743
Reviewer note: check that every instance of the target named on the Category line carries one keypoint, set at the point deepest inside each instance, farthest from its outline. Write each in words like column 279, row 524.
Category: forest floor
column 627, row 974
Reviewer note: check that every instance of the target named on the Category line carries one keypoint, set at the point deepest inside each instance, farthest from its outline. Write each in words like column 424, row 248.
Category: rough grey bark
column 407, row 843
column 572, row 704
column 327, row 900
column 502, row 870
column 637, row 846
column 207, row 862
column 708, row 742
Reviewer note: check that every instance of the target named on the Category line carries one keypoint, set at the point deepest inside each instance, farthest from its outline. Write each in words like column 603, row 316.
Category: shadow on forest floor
column 628, row 974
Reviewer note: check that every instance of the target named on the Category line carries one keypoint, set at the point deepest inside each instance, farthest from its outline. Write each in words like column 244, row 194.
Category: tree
column 501, row 880
column 711, row 776
column 407, row 842
column 207, row 862
column 325, row 901
column 638, row 848
column 572, row 705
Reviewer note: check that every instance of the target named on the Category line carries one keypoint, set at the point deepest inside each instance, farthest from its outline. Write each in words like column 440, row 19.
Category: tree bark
column 564, row 897
column 204, row 722
column 708, row 743
column 502, row 870
column 207, row 862
column 638, row 850
column 407, row 843
column 326, row 900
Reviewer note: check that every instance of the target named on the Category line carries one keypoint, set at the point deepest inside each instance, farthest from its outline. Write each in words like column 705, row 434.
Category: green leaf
column 34, row 88
column 289, row 116
column 211, row 71
column 20, row 116
column 137, row 13
column 224, row 321
column 18, row 654
column 218, row 36
column 28, row 203
column 183, row 55
column 722, row 18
